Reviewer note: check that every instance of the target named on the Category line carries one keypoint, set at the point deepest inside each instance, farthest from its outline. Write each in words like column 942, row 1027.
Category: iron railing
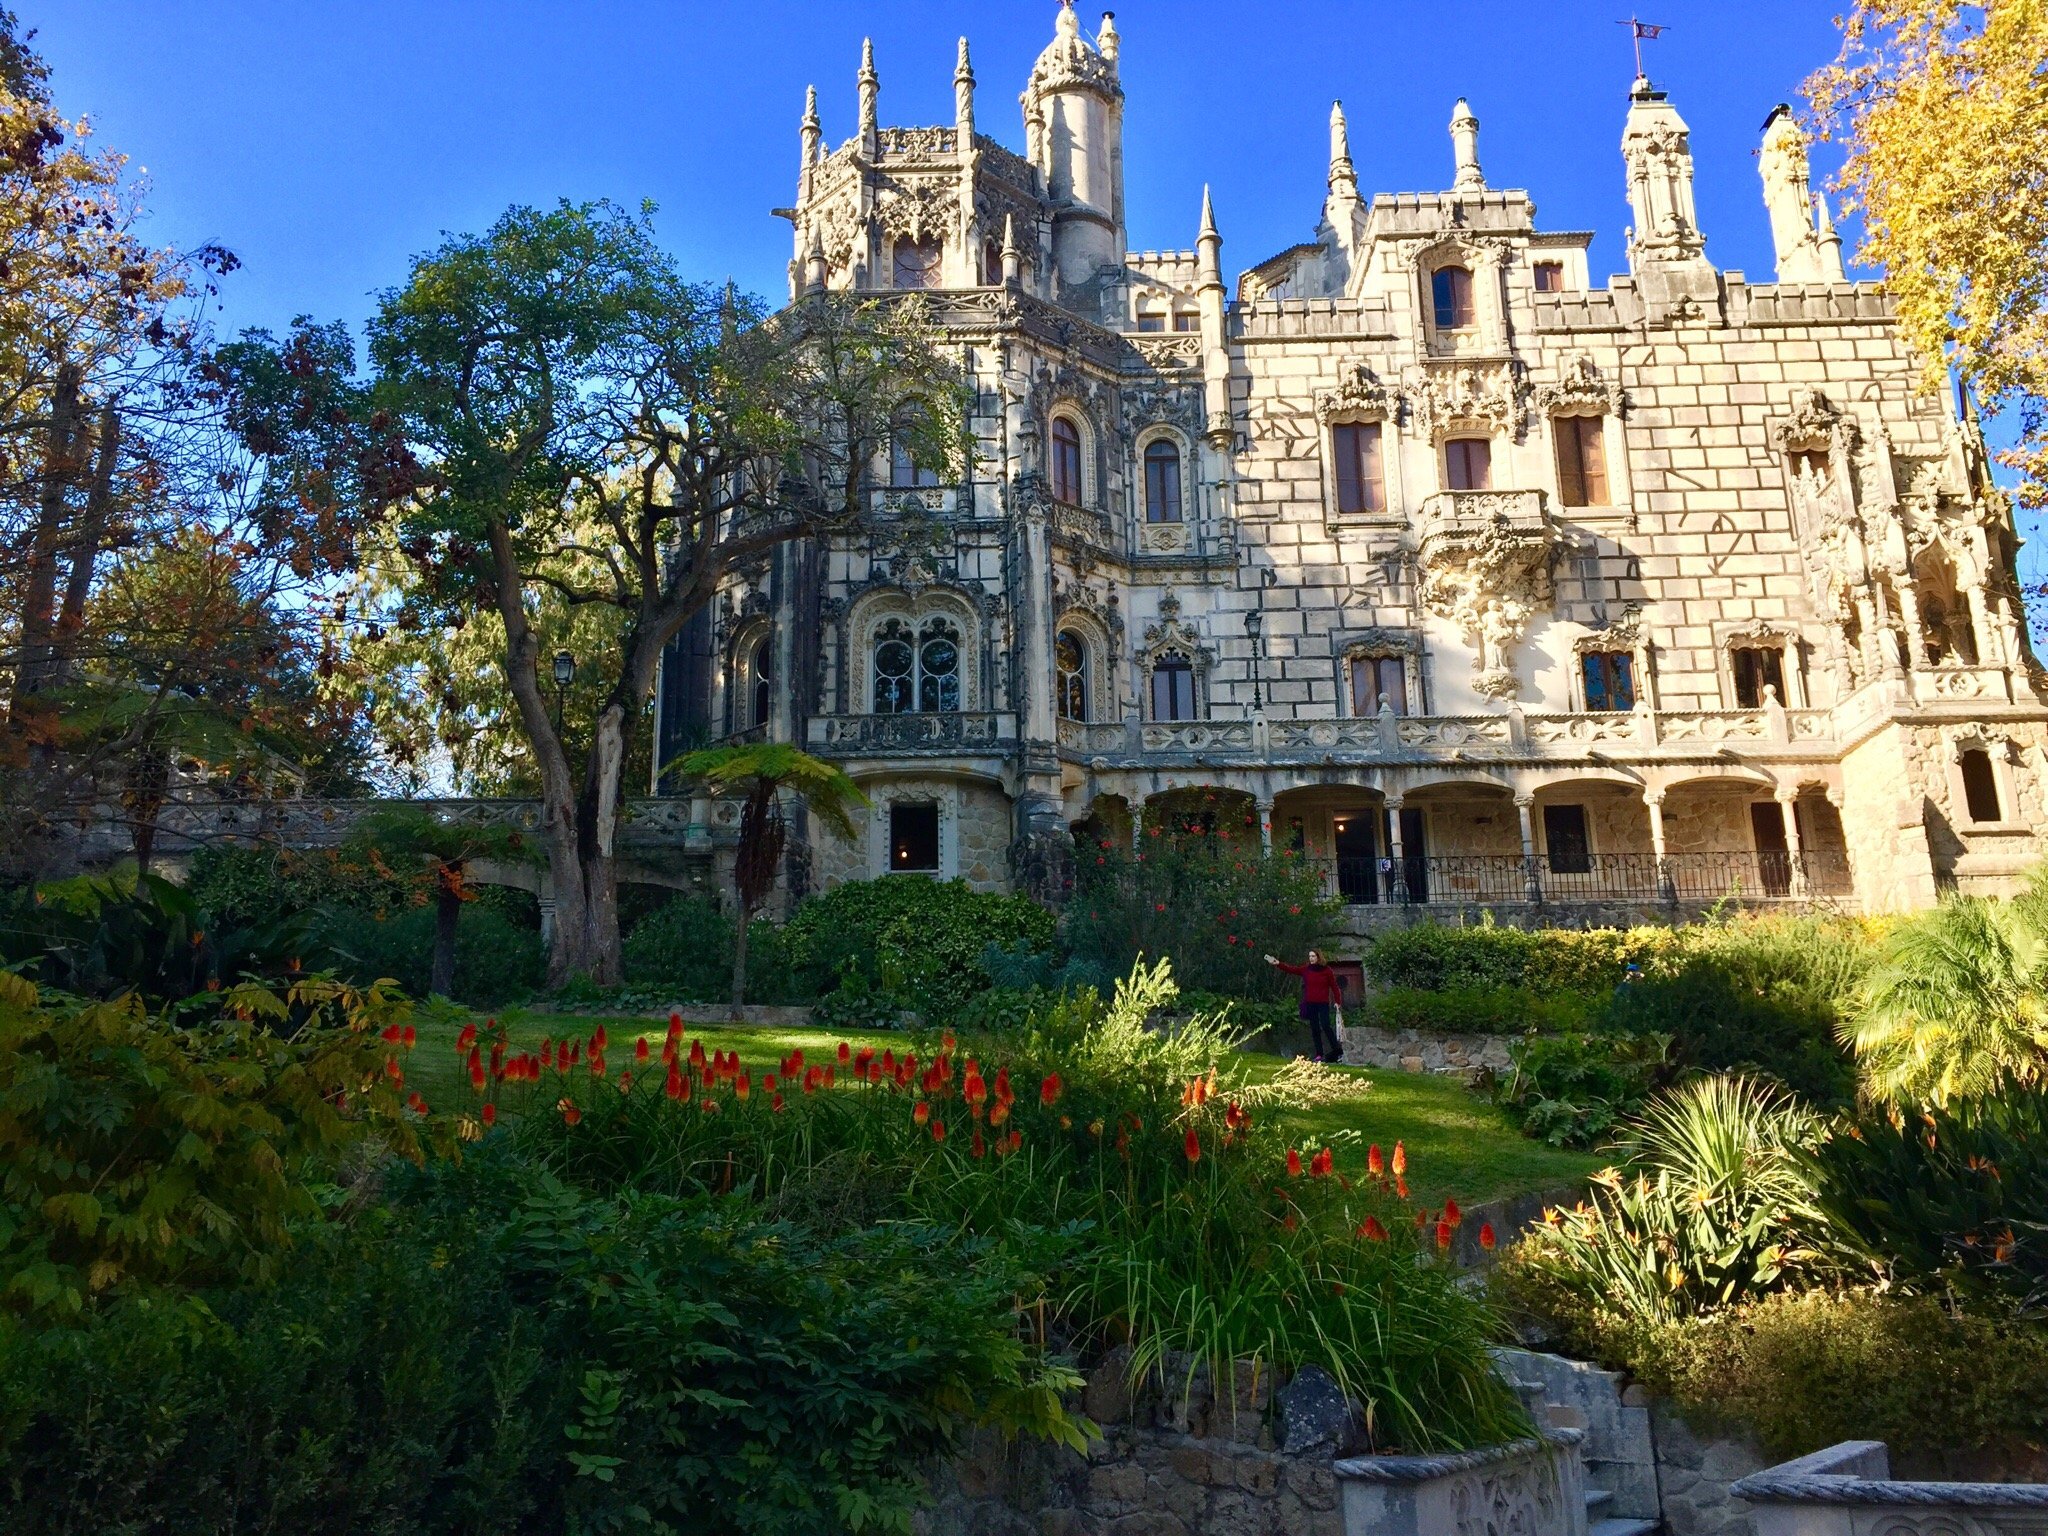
column 1504, row 878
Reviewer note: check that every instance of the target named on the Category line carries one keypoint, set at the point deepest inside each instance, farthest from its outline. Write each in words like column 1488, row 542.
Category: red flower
column 1371, row 1230
column 812, row 1078
column 922, row 1112
column 415, row 1103
column 845, row 1053
column 1375, row 1161
column 776, row 1103
column 1451, row 1212
column 675, row 1025
column 741, row 1087
column 1401, row 1186
column 597, row 1067
column 490, row 1113
column 697, row 1055
column 1321, row 1164
column 1192, row 1145
column 683, row 1092
column 674, row 1086
column 1159, row 906
column 599, row 1040
column 1293, row 1163
column 1443, row 1234
column 547, row 1053
column 570, row 1113
column 1049, row 1090
column 979, row 1147
column 1486, row 1238
column 640, row 1050
column 466, row 1039
column 1400, row 1157
column 768, row 1081
column 889, row 1061
column 938, row 1130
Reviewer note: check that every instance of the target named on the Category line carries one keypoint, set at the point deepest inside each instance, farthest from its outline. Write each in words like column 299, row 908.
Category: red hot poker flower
column 1375, row 1161
column 1443, row 1234
column 640, row 1050
column 1192, row 1145
column 845, row 1053
column 921, row 1112
column 980, row 1148
column 674, row 1086
column 1293, row 1163
column 1400, row 1157
column 466, row 1039
column 741, row 1087
column 1372, row 1230
column 570, row 1113
column 1049, row 1090
column 1486, row 1237
column 490, row 1113
column 1451, row 1212
column 1321, row 1164
column 938, row 1130
column 599, row 1040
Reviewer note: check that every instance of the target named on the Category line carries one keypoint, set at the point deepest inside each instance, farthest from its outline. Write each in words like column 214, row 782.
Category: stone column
column 1787, row 796
column 1394, row 854
column 1667, row 889
column 1264, row 809
column 1524, row 806
column 1137, row 824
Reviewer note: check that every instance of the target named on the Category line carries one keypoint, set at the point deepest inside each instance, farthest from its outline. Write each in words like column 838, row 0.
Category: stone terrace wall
column 1202, row 1464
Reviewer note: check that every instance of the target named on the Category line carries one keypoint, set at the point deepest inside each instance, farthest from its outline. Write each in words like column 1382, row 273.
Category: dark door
column 1773, row 857
column 1358, row 857
column 1564, row 839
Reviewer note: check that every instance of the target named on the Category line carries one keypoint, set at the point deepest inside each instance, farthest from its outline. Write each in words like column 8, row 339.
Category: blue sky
column 326, row 141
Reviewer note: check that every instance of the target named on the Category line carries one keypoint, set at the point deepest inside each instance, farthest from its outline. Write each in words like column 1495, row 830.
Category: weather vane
column 1637, row 31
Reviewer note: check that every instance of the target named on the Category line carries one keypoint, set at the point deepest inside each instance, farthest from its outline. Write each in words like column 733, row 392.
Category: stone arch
column 1069, row 407
column 1102, row 659
column 873, row 609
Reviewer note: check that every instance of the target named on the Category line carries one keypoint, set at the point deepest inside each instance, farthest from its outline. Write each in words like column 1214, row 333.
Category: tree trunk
column 739, row 962
column 447, row 913
column 39, row 595
column 148, row 782
column 85, row 547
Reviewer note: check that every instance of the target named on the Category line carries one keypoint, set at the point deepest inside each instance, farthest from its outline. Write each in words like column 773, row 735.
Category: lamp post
column 1254, row 621
column 565, row 674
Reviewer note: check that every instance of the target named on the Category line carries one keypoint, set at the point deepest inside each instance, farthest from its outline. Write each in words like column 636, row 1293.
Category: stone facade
column 1482, row 584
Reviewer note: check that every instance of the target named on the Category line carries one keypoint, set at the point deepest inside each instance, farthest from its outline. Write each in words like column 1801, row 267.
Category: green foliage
column 1948, row 1200
column 1478, row 1010
column 1722, row 1014
column 1958, row 1000
column 1712, row 1208
column 133, row 1150
column 1208, row 900
column 496, row 960
column 1432, row 957
column 904, row 941
column 496, row 1350
column 104, row 938
column 1573, row 1089
column 1802, row 1371
column 683, row 948
column 1226, row 1257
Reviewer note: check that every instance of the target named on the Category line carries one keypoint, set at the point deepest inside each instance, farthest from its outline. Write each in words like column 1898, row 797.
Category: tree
column 553, row 409
column 766, row 772
column 1957, row 1000
column 443, row 851
column 1944, row 109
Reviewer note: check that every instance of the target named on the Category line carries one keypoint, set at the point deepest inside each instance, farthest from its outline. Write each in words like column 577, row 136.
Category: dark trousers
column 1322, row 1034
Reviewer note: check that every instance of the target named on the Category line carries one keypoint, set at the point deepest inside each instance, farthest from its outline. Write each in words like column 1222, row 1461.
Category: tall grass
column 1141, row 1158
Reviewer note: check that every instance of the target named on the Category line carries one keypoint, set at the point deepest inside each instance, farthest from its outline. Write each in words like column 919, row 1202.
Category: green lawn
column 1458, row 1144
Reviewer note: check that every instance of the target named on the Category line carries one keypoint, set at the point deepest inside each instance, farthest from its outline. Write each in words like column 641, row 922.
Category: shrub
column 1722, row 1016
column 1951, row 1201
column 1804, row 1371
column 1432, row 957
column 134, row 1151
column 1478, row 1010
column 1572, row 1089
column 684, row 948
column 1212, row 904
column 497, row 1350
column 916, row 942
column 1193, row 1233
column 1711, row 1209
column 496, row 962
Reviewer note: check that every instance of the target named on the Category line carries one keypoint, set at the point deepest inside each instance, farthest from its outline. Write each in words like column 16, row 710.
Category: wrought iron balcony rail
column 1485, row 879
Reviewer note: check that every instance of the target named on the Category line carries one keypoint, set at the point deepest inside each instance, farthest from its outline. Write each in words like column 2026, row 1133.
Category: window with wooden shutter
column 1581, row 461
column 1361, row 481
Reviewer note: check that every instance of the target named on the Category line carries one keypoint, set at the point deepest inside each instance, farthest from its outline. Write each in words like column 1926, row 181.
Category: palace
column 1477, row 583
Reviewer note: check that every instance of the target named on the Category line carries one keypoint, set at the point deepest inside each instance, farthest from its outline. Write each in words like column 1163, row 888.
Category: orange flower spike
column 697, row 1055
column 938, row 1130
column 465, row 1039
column 1400, row 1157
column 547, row 1053
column 1401, row 1186
column 1322, row 1163
column 1452, row 1214
column 1372, row 1230
column 830, row 1074
column 767, row 1082
column 948, row 1042
column 998, row 1115
column 570, row 1113
column 1444, row 1229
column 1049, row 1090
column 683, row 1093
column 490, row 1114
column 675, row 1026
column 741, row 1086
column 1293, row 1163
column 673, row 1087
column 1191, row 1144
column 600, row 1039
column 1375, row 1161
column 626, row 1081
column 921, row 1111
column 1486, row 1237
column 889, row 1061
column 776, row 1104
column 979, row 1147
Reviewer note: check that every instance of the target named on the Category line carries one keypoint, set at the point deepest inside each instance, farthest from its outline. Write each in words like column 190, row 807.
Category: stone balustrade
column 1848, row 1490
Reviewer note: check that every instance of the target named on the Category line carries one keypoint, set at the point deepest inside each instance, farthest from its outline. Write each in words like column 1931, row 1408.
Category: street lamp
column 1254, row 620
column 565, row 674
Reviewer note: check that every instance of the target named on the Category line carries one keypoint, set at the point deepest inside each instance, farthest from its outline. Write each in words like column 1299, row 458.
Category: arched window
column 1173, row 687
column 917, row 264
column 1162, row 482
column 764, row 679
column 917, row 673
column 1070, row 659
column 991, row 263
column 1066, row 461
column 1450, row 291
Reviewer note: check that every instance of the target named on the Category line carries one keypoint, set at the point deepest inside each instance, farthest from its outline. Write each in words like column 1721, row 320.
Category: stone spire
column 1208, row 248
column 963, row 101
column 1343, row 175
column 1806, row 254
column 1656, row 146
column 1209, row 295
column 1073, row 120
column 870, row 90
column 1465, row 147
column 1830, row 241
column 1013, row 262
column 810, row 138
column 1107, row 41
column 814, row 263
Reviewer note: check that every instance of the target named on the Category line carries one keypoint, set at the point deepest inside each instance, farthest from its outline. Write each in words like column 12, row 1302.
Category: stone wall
column 1199, row 1463
column 975, row 832
column 1409, row 1050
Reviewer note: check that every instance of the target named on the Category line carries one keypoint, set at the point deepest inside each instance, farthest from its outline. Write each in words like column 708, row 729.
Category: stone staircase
column 1616, row 1449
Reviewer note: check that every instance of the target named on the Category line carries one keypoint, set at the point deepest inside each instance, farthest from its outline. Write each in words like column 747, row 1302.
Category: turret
column 809, row 138
column 870, row 92
column 1465, row 148
column 1806, row 254
column 1209, row 294
column 963, row 101
column 1073, row 120
column 1656, row 145
column 1343, row 174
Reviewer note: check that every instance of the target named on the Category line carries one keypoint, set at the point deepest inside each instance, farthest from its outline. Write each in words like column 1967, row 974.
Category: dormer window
column 1066, row 461
column 1450, row 291
column 917, row 264
column 1468, row 464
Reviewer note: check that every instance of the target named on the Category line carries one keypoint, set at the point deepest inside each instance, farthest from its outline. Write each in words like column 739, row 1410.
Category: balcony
column 950, row 734
column 1508, row 879
column 1463, row 520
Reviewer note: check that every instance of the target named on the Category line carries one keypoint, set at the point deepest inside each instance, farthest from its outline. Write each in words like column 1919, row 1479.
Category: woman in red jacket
column 1319, row 993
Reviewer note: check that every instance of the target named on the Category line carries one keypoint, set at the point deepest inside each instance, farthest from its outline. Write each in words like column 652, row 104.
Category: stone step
column 1598, row 1499
column 1616, row 1525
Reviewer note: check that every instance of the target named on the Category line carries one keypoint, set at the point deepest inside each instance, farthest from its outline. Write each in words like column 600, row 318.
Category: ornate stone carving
column 916, row 143
column 1817, row 422
column 1579, row 390
column 1169, row 354
column 1486, row 558
column 1359, row 395
column 925, row 208
column 1623, row 632
column 1380, row 641
column 915, row 550
column 1162, row 538
column 1490, row 395
column 1169, row 632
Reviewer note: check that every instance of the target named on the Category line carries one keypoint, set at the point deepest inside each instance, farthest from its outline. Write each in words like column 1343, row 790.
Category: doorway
column 1773, row 854
column 1355, row 838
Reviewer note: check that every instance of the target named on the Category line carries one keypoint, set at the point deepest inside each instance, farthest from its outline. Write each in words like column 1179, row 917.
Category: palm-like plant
column 1958, row 999
column 763, row 773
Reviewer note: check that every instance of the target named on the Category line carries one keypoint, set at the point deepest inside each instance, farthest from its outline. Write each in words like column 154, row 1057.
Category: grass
column 1458, row 1144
